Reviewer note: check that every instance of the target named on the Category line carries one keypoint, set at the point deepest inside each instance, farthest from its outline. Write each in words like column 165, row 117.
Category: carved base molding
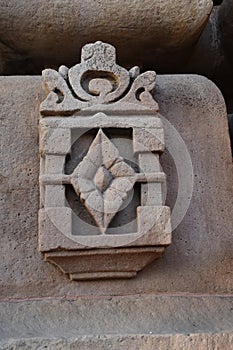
column 104, row 263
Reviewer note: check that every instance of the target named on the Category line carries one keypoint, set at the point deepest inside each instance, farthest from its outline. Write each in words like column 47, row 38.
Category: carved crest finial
column 97, row 80
column 93, row 52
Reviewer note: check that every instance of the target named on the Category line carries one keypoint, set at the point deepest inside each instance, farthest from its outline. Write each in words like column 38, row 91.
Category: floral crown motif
column 97, row 80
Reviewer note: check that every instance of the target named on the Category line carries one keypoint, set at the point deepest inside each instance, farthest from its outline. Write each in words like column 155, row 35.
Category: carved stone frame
column 100, row 254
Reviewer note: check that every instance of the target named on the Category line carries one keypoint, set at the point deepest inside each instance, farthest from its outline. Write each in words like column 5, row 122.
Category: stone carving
column 96, row 80
column 102, row 180
column 103, row 120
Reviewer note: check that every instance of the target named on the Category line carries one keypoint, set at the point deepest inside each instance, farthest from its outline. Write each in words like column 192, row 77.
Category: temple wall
column 194, row 271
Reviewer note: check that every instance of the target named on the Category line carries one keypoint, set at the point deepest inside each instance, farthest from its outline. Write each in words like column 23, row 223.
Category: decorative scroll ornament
column 96, row 80
column 102, row 212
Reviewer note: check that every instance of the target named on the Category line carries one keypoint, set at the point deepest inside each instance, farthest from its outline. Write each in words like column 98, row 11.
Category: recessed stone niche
column 102, row 212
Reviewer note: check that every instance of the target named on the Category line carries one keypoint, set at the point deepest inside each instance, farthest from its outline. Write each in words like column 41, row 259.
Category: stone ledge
column 119, row 316
column 128, row 342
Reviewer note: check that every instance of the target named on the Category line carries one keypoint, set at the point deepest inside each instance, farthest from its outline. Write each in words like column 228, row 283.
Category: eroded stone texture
column 200, row 257
column 104, row 179
column 129, row 322
column 131, row 342
column 159, row 27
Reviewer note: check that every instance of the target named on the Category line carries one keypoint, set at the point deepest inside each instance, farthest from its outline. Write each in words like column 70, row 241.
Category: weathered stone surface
column 200, row 258
column 129, row 342
column 148, row 139
column 143, row 321
column 49, row 32
column 155, row 220
column 134, row 342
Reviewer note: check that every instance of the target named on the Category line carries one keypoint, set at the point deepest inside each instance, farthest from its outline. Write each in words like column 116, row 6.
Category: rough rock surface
column 199, row 259
column 134, row 342
column 47, row 32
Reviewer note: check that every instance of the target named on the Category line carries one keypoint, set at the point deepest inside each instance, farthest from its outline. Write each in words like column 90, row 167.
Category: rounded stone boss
column 53, row 32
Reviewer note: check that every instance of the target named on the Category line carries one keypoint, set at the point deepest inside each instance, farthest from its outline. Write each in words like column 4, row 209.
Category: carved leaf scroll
column 97, row 80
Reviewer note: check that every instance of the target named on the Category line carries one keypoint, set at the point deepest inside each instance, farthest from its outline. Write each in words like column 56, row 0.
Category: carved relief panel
column 102, row 212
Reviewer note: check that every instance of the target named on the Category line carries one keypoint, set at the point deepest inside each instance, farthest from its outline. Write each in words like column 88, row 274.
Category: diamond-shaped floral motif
column 102, row 180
